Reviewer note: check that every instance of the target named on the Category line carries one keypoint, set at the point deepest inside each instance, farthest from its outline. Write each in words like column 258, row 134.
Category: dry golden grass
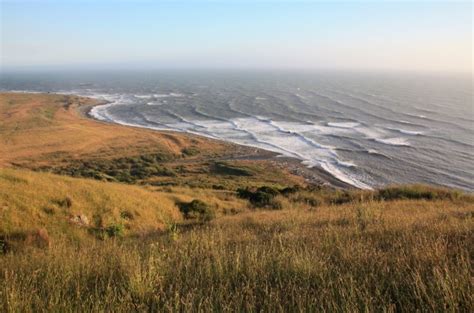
column 39, row 129
column 31, row 201
column 400, row 256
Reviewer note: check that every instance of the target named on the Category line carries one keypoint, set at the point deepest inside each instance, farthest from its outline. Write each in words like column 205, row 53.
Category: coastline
column 315, row 175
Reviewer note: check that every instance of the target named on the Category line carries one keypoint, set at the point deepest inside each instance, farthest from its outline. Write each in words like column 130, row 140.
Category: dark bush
column 196, row 209
column 127, row 215
column 224, row 168
column 218, row 187
column 190, row 151
column 289, row 190
column 3, row 245
column 115, row 230
column 124, row 169
column 260, row 197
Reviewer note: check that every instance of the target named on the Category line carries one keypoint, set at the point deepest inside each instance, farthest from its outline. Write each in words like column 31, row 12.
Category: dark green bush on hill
column 116, row 230
column 190, row 151
column 196, row 209
column 125, row 169
column 261, row 197
column 224, row 168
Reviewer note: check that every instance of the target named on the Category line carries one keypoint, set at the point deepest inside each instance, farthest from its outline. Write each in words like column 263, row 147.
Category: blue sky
column 238, row 34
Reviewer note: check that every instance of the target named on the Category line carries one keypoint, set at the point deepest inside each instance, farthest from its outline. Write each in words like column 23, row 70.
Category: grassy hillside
column 399, row 254
column 119, row 219
column 48, row 129
column 80, row 208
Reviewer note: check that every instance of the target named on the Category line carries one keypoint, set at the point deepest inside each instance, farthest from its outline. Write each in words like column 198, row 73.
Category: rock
column 80, row 220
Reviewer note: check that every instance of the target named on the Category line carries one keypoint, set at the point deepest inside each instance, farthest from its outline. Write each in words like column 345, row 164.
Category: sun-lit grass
column 381, row 256
column 31, row 201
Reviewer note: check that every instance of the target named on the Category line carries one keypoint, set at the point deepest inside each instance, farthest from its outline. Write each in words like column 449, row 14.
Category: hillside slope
column 65, row 206
column 317, row 251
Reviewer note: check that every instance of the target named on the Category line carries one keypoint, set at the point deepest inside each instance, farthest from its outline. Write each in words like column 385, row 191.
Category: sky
column 379, row 35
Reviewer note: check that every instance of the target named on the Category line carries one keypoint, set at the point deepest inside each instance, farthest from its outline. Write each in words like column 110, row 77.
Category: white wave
column 346, row 163
column 417, row 115
column 288, row 140
column 375, row 152
column 410, row 132
column 25, row 91
column 154, row 103
column 160, row 95
column 393, row 141
column 382, row 136
column 344, row 125
column 406, row 132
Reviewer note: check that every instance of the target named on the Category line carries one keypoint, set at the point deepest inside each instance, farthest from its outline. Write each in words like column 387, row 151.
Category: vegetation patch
column 190, row 151
column 417, row 193
column 260, row 197
column 197, row 209
column 115, row 230
column 224, row 168
column 125, row 169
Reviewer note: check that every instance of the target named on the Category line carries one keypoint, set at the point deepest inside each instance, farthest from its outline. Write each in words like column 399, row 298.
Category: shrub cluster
column 190, row 151
column 261, row 197
column 224, row 168
column 196, row 209
column 266, row 196
column 125, row 169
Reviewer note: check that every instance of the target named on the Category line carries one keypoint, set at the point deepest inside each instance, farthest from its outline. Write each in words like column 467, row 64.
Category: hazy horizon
column 370, row 36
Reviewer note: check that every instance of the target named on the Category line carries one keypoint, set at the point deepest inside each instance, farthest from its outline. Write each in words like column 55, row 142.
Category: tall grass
column 398, row 256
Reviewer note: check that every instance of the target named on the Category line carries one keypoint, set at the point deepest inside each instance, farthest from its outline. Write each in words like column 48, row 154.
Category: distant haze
column 424, row 36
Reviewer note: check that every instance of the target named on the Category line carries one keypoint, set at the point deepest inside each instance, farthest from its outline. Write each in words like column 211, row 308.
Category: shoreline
column 314, row 175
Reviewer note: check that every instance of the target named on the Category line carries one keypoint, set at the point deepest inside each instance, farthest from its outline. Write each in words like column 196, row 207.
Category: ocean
column 366, row 129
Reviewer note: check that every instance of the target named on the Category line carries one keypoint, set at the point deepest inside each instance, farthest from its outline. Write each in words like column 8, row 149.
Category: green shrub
column 260, row 197
column 196, row 209
column 115, row 230
column 190, row 151
column 125, row 169
column 3, row 246
column 224, row 168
